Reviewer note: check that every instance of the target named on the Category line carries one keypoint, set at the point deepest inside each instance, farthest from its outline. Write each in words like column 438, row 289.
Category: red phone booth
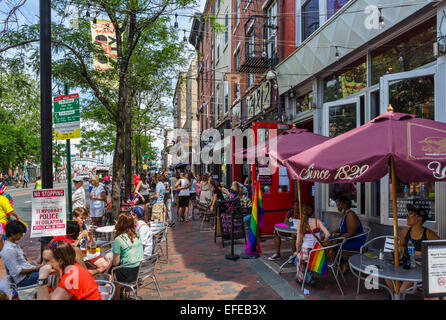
column 277, row 190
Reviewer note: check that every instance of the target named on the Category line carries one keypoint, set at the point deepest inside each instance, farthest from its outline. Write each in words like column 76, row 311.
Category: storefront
column 400, row 68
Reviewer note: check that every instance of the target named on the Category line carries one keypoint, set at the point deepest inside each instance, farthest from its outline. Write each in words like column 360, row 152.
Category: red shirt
column 80, row 283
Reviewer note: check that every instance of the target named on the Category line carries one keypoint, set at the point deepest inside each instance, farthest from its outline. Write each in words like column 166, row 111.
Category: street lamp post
column 45, row 96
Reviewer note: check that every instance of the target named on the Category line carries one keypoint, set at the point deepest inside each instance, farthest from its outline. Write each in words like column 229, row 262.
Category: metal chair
column 158, row 238
column 387, row 247
column 365, row 233
column 163, row 225
column 146, row 270
column 210, row 215
column 334, row 265
column 291, row 258
column 107, row 289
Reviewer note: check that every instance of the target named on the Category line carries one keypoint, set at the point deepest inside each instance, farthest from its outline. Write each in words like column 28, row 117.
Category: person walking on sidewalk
column 143, row 190
column 183, row 186
column 25, row 181
column 192, row 191
column 97, row 198
column 173, row 182
column 158, row 212
column 168, row 198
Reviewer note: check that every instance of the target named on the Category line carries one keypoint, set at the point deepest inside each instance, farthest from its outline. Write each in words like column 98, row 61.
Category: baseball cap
column 138, row 211
column 78, row 179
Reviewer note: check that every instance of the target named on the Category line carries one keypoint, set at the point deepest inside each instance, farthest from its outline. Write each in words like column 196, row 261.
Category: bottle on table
column 411, row 252
column 406, row 191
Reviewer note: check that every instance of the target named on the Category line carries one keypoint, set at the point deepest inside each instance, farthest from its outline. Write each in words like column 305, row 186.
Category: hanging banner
column 49, row 216
column 103, row 33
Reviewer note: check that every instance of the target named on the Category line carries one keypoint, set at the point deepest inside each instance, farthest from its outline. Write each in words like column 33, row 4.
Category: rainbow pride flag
column 257, row 222
column 318, row 260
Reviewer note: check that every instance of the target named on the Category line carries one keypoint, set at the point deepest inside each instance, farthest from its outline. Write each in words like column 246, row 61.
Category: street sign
column 67, row 117
column 48, row 213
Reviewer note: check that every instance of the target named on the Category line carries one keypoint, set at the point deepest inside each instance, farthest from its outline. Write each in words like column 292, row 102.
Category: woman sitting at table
column 127, row 249
column 416, row 233
column 307, row 229
column 75, row 283
column 291, row 214
column 350, row 226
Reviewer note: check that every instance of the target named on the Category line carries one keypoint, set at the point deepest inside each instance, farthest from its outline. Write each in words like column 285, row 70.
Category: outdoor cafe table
column 360, row 262
column 108, row 230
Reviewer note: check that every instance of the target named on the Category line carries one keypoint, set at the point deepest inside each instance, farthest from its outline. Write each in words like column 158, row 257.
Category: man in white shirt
column 78, row 197
column 143, row 230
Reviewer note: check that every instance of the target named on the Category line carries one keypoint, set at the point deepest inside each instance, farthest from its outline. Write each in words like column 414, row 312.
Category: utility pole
column 46, row 123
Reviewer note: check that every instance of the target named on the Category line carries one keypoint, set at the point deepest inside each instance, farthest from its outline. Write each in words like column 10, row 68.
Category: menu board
column 228, row 210
column 434, row 268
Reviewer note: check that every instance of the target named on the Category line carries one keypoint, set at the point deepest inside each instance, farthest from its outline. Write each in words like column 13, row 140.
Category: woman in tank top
column 305, row 241
column 142, row 190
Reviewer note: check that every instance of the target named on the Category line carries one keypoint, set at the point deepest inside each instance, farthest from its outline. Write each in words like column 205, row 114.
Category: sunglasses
column 412, row 215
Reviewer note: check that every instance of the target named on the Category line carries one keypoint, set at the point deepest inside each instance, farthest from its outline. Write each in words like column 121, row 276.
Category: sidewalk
column 198, row 270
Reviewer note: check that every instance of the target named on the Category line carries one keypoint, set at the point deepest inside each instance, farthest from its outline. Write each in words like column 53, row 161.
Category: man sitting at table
column 293, row 214
column 143, row 230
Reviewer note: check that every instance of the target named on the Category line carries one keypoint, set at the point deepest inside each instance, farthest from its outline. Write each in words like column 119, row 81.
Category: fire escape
column 257, row 58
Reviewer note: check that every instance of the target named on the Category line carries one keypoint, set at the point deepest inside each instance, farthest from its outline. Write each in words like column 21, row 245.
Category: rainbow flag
column 257, row 222
column 318, row 260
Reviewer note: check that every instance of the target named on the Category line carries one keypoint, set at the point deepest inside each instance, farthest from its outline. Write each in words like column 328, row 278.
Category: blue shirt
column 160, row 189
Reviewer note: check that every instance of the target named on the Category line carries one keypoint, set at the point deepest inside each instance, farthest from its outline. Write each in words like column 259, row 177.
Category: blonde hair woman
column 97, row 204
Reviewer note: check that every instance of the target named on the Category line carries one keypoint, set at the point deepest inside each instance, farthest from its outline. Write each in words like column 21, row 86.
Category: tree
column 146, row 46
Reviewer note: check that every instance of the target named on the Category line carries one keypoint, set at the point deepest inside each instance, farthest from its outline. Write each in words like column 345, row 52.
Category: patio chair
column 158, row 238
column 210, row 216
column 146, row 270
column 291, row 258
column 387, row 247
column 106, row 288
column 365, row 233
column 334, row 265
column 162, row 225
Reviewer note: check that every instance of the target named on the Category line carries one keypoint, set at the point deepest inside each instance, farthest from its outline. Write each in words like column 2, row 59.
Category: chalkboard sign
column 227, row 209
column 426, row 205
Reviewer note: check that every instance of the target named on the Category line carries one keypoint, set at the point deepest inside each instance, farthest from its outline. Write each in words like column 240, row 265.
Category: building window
column 237, row 11
column 217, row 102
column 408, row 52
column 333, row 6
column 251, row 43
column 226, row 28
column 250, row 79
column 237, row 61
column 304, row 103
column 271, row 31
column 310, row 18
column 226, row 96
column 218, row 50
column 237, row 90
column 345, row 83
column 207, row 70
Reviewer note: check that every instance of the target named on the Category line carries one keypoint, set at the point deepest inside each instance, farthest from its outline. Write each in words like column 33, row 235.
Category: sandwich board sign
column 67, row 119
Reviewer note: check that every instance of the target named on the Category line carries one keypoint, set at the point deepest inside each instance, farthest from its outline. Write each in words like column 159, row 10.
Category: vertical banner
column 49, row 216
column 103, row 32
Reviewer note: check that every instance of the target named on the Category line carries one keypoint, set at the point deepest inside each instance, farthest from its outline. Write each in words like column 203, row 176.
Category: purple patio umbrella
column 415, row 148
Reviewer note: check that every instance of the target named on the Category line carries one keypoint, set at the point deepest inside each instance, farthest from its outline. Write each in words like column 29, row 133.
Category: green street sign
column 67, row 117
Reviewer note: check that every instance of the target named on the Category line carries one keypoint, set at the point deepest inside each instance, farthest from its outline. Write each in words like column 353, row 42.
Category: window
column 226, row 96
column 334, row 5
column 226, row 28
column 341, row 85
column 237, row 11
column 251, row 44
column 217, row 102
column 310, row 18
column 304, row 103
column 408, row 52
column 218, row 50
column 236, row 114
column 237, row 90
column 250, row 79
column 237, row 61
column 271, row 34
column 207, row 70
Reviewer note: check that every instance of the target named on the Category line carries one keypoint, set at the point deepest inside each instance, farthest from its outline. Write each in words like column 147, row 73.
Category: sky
column 29, row 13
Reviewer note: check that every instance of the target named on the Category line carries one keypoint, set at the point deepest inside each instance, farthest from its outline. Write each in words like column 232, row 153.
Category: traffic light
column 82, row 154
column 93, row 155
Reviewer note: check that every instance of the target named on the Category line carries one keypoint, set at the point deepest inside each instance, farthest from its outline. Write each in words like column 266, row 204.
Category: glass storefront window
column 342, row 118
column 408, row 52
column 304, row 103
column 414, row 96
column 334, row 5
column 284, row 182
column 236, row 114
column 346, row 83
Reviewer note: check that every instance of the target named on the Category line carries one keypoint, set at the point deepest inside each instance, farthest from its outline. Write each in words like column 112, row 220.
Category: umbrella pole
column 395, row 221
column 299, row 199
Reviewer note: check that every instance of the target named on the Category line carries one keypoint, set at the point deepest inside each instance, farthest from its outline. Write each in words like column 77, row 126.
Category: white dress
column 97, row 206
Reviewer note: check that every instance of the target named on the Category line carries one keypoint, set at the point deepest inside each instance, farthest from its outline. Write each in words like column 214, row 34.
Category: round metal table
column 290, row 230
column 362, row 264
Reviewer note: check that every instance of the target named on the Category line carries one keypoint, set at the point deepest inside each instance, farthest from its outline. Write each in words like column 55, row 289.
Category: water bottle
column 406, row 191
column 424, row 191
column 411, row 252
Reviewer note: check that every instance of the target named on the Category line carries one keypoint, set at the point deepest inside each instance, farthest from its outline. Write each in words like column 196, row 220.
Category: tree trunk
column 118, row 168
column 128, row 151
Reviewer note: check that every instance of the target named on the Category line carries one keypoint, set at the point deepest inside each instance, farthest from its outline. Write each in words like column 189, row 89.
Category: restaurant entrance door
column 277, row 190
